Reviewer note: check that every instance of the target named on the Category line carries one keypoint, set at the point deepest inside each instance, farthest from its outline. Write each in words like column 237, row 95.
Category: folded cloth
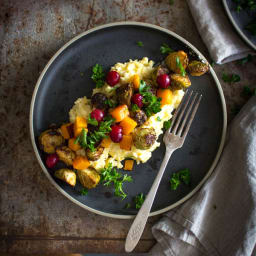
column 217, row 32
column 221, row 218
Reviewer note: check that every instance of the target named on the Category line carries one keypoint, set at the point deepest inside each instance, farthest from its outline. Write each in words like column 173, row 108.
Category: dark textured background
column 34, row 217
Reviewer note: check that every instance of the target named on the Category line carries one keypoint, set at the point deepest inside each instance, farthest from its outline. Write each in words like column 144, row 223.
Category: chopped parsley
column 230, row 78
column 111, row 103
column 135, row 107
column 151, row 103
column 84, row 191
column 140, row 44
column 98, row 75
column 165, row 49
column 92, row 121
column 167, row 124
column 110, row 176
column 158, row 119
column 180, row 66
column 139, row 200
column 245, row 60
column 179, row 177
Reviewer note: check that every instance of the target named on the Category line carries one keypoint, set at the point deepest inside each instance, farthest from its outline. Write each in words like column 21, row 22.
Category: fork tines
column 185, row 113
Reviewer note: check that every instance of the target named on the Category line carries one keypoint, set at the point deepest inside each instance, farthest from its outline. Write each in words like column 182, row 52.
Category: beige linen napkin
column 219, row 35
column 221, row 218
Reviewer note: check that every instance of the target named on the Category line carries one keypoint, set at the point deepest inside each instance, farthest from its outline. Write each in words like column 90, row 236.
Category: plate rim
column 239, row 31
column 125, row 23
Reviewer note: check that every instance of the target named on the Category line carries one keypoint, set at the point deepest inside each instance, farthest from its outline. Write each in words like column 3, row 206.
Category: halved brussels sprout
column 171, row 61
column 67, row 175
column 144, row 138
column 124, row 94
column 179, row 82
column 66, row 155
column 139, row 116
column 50, row 139
column 89, row 178
column 99, row 100
column 94, row 155
column 197, row 68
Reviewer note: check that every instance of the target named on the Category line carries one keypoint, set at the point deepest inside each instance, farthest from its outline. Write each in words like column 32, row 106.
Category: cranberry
column 112, row 78
column 116, row 133
column 163, row 81
column 98, row 114
column 51, row 160
column 137, row 99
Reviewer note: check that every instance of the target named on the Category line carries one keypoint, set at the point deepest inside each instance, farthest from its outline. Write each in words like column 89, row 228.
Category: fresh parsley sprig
column 84, row 191
column 82, row 139
column 165, row 49
column 110, row 176
column 92, row 121
column 180, row 66
column 139, row 200
column 179, row 177
column 140, row 44
column 167, row 124
column 98, row 75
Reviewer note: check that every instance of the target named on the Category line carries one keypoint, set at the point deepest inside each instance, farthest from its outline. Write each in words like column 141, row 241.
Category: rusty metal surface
column 34, row 217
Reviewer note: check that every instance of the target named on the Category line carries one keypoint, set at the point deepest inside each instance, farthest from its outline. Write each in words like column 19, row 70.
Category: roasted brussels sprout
column 89, row 178
column 50, row 139
column 139, row 116
column 197, row 68
column 179, row 82
column 94, row 155
column 66, row 155
column 144, row 138
column 124, row 94
column 99, row 100
column 159, row 70
column 171, row 61
column 66, row 175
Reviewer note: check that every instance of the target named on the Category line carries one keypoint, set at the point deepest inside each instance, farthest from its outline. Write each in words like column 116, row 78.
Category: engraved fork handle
column 140, row 220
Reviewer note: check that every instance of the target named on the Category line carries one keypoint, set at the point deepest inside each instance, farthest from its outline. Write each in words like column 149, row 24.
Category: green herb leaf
column 143, row 86
column 180, row 66
column 140, row 44
column 158, row 119
column 139, row 200
column 98, row 75
column 111, row 103
column 167, row 124
column 165, row 49
column 110, row 176
column 84, row 191
column 245, row 60
column 178, row 177
column 135, row 107
column 82, row 138
column 92, row 121
column 232, row 78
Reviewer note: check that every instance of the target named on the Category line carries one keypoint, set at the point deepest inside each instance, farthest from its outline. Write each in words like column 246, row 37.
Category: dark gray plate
column 61, row 83
column 240, row 20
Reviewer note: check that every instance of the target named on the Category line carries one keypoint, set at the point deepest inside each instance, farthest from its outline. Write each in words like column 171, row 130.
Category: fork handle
column 140, row 220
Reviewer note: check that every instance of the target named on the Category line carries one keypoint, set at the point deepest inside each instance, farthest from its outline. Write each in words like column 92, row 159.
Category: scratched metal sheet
column 34, row 217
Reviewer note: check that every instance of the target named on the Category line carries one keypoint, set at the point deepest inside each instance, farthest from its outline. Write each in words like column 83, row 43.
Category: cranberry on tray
column 163, row 81
column 52, row 160
column 98, row 114
column 112, row 78
column 137, row 99
column 116, row 134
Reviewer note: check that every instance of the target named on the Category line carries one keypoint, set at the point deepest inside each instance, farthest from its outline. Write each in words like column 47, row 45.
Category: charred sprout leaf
column 158, row 119
column 167, row 124
column 178, row 177
column 245, row 60
column 165, row 49
column 98, row 75
column 84, row 191
column 139, row 200
column 180, row 66
column 140, row 44
column 110, row 176
column 92, row 121
column 230, row 78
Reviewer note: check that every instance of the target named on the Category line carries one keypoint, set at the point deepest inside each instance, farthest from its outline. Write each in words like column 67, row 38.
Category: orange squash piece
column 72, row 145
column 81, row 163
column 67, row 130
column 128, row 125
column 105, row 143
column 136, row 82
column 79, row 124
column 128, row 165
column 119, row 113
column 126, row 142
column 166, row 95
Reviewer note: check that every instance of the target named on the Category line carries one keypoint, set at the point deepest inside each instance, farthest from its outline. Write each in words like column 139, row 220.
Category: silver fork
column 173, row 138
